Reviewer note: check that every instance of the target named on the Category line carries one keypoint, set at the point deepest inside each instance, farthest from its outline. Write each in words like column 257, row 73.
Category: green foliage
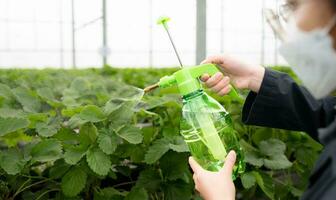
column 98, row 161
column 90, row 134
column 9, row 125
column 12, row 161
column 46, row 150
column 155, row 151
column 107, row 141
column 92, row 113
column 137, row 194
column 131, row 134
column 73, row 182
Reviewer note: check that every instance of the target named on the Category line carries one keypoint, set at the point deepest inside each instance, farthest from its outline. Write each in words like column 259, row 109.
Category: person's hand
column 215, row 185
column 240, row 74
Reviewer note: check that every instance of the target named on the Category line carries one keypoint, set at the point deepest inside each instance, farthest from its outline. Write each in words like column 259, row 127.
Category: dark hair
column 333, row 3
column 294, row 3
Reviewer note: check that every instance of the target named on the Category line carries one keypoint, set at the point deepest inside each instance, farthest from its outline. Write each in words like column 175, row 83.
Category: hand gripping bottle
column 205, row 125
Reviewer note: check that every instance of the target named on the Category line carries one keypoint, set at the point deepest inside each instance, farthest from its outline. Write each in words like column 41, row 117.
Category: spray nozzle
column 151, row 87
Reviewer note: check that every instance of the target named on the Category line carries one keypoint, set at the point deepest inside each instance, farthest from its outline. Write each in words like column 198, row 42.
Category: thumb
column 229, row 163
column 194, row 165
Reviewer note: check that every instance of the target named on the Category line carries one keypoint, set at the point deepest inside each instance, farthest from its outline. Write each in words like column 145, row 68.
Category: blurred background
column 124, row 33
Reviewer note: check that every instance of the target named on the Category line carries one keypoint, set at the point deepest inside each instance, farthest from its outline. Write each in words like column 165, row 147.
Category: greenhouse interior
column 167, row 100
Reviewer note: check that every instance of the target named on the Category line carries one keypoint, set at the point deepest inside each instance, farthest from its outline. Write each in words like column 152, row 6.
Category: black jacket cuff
column 257, row 104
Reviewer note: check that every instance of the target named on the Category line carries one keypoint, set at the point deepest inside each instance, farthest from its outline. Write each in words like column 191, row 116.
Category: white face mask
column 313, row 58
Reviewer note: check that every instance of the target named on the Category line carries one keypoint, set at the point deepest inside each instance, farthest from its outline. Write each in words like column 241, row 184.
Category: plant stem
column 29, row 186
column 46, row 192
column 126, row 183
column 23, row 185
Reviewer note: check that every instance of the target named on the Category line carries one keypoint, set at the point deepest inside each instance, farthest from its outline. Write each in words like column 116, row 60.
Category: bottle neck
column 192, row 95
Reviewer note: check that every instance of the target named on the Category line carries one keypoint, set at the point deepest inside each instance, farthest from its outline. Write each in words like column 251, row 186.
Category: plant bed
column 91, row 134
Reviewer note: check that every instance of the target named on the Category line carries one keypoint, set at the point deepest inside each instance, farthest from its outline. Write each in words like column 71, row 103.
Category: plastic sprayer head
column 187, row 79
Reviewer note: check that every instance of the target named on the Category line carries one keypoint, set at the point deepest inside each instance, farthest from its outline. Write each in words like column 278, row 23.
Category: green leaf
column 121, row 116
column 28, row 99
column 272, row 147
column 73, row 155
column 261, row 134
column 67, row 136
column 9, row 125
column 47, row 150
column 112, row 105
column 248, row 180
column 174, row 165
column 277, row 162
column 301, row 156
column 5, row 91
column 107, row 141
column 137, row 154
column 11, row 113
column 177, row 190
column 265, row 182
column 75, row 121
column 98, row 161
column 48, row 129
column 92, row 113
column 69, row 112
column 34, row 118
column 12, row 161
column 137, row 194
column 73, row 182
column 131, row 134
column 252, row 156
column 12, row 139
column 154, row 153
column 88, row 134
column 178, row 144
column 149, row 179
column 58, row 169
column 47, row 95
column 80, row 84
column 296, row 192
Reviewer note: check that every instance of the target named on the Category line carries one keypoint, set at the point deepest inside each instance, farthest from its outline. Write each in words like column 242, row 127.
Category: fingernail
column 232, row 154
column 218, row 74
column 205, row 77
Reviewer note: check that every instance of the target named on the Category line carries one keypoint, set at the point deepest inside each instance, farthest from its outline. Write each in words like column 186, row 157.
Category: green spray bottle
column 205, row 124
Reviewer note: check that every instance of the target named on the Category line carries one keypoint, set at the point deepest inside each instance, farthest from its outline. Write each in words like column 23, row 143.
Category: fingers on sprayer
column 214, row 79
column 224, row 91
column 221, row 84
column 229, row 162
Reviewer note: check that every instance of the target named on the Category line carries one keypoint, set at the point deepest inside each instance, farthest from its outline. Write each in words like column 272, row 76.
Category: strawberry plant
column 91, row 134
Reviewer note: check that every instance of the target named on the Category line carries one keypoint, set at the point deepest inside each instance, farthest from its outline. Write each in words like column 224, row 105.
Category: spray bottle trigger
column 212, row 69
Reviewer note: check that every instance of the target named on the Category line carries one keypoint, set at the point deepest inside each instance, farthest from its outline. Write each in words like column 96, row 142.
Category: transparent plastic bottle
column 207, row 129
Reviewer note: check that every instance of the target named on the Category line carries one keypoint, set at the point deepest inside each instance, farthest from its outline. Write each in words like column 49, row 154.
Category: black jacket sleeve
column 282, row 103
